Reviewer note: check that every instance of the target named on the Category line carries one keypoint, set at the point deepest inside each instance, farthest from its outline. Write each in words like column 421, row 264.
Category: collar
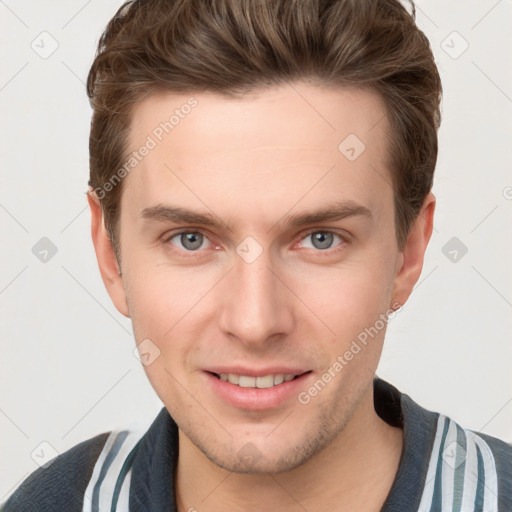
column 155, row 461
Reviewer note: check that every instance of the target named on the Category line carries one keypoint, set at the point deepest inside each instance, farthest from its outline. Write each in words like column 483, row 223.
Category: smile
column 257, row 389
column 246, row 381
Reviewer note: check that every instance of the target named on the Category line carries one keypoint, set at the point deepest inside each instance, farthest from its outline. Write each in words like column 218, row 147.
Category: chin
column 263, row 457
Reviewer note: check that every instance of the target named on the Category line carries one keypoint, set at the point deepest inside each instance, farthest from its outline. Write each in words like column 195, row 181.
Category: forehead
column 267, row 149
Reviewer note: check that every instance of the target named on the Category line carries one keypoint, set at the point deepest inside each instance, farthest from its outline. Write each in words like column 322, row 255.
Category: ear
column 107, row 261
column 410, row 260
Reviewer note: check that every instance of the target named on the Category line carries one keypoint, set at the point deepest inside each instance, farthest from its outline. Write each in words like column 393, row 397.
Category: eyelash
column 328, row 252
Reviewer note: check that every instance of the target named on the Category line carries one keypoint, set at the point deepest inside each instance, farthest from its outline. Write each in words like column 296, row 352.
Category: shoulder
column 468, row 469
column 90, row 476
column 96, row 474
column 60, row 484
column 499, row 455
column 444, row 466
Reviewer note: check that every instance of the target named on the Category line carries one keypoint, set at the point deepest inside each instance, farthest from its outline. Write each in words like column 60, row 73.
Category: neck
column 355, row 472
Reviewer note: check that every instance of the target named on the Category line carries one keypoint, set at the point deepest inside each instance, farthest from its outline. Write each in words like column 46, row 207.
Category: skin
column 250, row 163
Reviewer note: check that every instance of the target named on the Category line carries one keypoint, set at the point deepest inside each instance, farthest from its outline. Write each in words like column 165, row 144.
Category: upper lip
column 256, row 372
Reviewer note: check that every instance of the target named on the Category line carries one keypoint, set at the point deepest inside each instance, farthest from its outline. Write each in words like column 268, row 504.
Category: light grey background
column 67, row 368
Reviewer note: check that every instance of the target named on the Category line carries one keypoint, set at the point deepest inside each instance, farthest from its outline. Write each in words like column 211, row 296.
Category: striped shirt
column 443, row 467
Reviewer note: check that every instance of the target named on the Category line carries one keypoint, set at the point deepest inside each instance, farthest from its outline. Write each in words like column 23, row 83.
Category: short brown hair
column 234, row 47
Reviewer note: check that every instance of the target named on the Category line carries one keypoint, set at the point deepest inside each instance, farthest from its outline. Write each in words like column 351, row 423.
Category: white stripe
column 449, row 456
column 136, row 430
column 106, row 491
column 491, row 477
column 470, row 475
column 428, row 490
column 87, row 506
column 123, row 504
column 109, row 482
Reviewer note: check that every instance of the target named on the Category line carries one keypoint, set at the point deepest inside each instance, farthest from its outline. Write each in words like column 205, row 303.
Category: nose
column 256, row 306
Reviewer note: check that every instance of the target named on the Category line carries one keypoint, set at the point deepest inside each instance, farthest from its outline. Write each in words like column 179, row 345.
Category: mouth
column 260, row 382
column 256, row 389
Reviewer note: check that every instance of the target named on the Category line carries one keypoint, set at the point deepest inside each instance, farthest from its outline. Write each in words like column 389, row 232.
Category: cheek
column 349, row 298
column 160, row 297
column 162, row 307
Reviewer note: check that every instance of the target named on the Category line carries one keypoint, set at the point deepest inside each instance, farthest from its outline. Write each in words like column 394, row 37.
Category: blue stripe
column 106, row 465
column 479, row 498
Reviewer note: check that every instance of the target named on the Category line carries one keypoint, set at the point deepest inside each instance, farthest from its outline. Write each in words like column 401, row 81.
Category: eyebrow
column 329, row 213
column 165, row 213
column 333, row 212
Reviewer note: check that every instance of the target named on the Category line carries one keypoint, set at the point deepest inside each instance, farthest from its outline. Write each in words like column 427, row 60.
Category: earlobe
column 106, row 257
column 410, row 260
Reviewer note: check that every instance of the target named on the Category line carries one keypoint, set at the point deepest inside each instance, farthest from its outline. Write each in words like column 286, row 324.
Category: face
column 257, row 244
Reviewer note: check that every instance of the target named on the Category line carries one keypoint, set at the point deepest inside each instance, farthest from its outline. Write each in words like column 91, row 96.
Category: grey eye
column 321, row 240
column 190, row 240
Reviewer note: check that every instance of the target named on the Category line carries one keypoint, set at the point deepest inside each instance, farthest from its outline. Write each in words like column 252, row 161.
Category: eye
column 320, row 240
column 189, row 240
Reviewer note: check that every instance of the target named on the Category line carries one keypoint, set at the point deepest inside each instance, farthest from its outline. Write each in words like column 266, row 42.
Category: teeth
column 267, row 381
column 247, row 382
column 278, row 379
column 233, row 378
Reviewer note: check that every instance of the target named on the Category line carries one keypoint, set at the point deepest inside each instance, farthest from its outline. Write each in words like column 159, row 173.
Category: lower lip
column 256, row 399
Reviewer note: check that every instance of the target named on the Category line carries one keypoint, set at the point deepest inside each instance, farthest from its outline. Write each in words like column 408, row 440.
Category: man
column 261, row 203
